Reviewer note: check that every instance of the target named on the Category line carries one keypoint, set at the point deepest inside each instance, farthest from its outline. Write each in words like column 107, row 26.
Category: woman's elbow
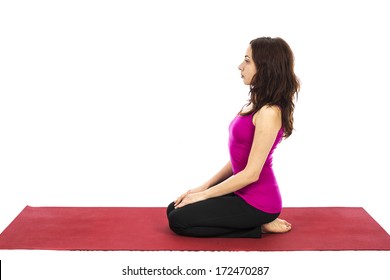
column 251, row 176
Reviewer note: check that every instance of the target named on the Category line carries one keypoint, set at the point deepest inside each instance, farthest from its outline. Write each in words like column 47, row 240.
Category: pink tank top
column 264, row 193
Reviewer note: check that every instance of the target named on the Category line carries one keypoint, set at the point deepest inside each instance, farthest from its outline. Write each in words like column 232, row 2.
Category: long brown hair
column 275, row 82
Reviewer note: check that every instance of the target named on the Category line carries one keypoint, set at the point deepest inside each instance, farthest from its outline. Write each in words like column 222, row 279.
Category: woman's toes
column 276, row 226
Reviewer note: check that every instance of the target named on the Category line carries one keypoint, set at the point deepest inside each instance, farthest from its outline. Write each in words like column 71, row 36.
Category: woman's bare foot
column 276, row 226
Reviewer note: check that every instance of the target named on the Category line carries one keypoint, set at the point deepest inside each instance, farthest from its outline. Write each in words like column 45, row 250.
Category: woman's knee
column 170, row 208
column 176, row 221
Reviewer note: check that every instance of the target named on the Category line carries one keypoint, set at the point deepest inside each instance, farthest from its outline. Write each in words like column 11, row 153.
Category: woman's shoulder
column 268, row 113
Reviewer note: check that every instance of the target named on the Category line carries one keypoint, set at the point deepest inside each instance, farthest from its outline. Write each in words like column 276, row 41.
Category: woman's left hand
column 191, row 198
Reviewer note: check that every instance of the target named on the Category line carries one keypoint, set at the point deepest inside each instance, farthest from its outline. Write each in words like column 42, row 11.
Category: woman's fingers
column 181, row 204
column 182, row 201
column 190, row 198
column 180, row 198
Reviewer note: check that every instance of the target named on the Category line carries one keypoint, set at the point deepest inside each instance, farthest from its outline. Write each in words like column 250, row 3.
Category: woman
column 243, row 199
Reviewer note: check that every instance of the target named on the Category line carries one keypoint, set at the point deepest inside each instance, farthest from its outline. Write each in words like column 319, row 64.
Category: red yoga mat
column 146, row 229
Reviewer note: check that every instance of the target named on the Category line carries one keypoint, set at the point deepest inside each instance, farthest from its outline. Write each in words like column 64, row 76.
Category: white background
column 127, row 103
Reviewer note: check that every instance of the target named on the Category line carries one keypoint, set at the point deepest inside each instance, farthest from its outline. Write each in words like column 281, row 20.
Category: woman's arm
column 219, row 177
column 267, row 123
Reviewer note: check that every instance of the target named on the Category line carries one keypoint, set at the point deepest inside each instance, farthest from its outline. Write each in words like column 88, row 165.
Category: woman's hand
column 180, row 198
column 189, row 198
column 195, row 190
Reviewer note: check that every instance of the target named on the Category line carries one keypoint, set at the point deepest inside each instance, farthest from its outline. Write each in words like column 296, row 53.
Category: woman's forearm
column 223, row 174
column 220, row 176
column 232, row 184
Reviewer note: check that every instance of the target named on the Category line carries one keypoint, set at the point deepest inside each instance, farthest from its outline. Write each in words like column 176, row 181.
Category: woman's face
column 247, row 67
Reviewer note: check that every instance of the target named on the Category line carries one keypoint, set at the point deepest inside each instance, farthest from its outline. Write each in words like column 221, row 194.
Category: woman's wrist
column 208, row 193
column 205, row 186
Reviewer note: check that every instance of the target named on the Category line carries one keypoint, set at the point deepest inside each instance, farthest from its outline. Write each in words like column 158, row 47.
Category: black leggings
column 224, row 216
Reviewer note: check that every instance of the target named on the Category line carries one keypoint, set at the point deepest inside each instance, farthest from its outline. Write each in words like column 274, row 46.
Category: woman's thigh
column 225, row 211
